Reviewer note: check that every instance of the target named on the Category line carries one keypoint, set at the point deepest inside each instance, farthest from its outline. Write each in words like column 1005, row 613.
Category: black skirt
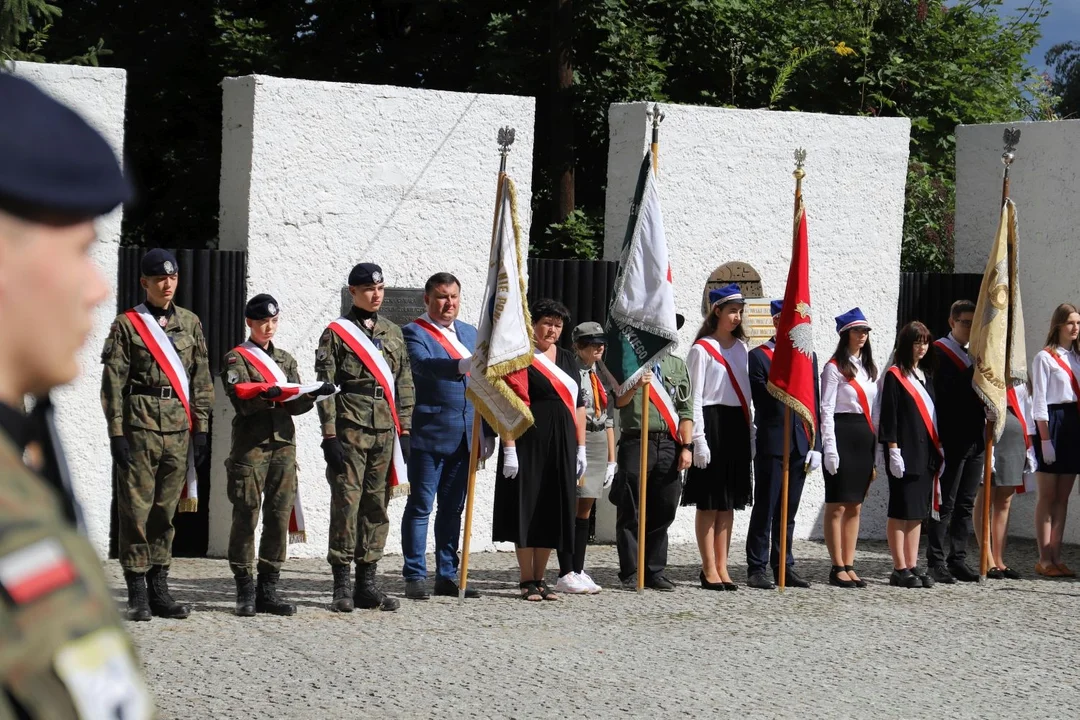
column 725, row 484
column 856, row 447
column 909, row 496
column 1064, row 427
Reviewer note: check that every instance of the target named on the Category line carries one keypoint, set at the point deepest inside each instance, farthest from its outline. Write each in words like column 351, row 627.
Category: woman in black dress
column 908, row 428
column 535, row 485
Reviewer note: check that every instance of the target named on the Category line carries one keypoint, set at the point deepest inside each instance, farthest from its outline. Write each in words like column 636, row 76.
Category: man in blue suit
column 763, row 535
column 440, row 349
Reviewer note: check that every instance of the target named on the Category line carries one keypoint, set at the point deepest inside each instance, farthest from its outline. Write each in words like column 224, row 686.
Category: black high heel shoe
column 834, row 578
column 706, row 585
column 858, row 583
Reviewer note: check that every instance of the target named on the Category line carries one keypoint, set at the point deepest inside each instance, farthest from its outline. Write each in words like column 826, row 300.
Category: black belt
column 652, row 433
column 165, row 393
column 371, row 391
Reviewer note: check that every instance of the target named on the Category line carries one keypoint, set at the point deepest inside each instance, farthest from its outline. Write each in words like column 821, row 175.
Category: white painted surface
column 319, row 176
column 98, row 95
column 727, row 193
column 1043, row 185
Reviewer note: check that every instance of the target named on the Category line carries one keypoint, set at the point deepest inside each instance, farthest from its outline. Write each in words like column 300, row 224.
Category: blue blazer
column 442, row 415
column 769, row 412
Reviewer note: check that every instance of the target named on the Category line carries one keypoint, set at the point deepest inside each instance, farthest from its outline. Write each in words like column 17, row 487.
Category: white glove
column 609, row 474
column 1030, row 463
column 1048, row 452
column 702, row 455
column 487, row 448
column 813, row 461
column 582, row 464
column 510, row 463
column 464, row 365
column 832, row 462
column 896, row 463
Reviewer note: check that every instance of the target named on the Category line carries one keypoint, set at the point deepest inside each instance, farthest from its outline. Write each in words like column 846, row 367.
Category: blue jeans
column 445, row 477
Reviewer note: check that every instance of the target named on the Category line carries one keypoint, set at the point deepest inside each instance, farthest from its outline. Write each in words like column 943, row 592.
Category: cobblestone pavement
column 1004, row 649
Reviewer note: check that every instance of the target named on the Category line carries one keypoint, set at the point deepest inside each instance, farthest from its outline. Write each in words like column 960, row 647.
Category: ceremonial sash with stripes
column 161, row 348
column 954, row 352
column 713, row 348
column 662, row 402
column 445, row 338
column 1014, row 406
column 925, row 406
column 1068, row 371
column 564, row 385
column 860, row 394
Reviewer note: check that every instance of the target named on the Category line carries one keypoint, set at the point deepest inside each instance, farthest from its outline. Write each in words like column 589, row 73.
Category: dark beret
column 261, row 307
column 158, row 262
column 365, row 274
column 53, row 161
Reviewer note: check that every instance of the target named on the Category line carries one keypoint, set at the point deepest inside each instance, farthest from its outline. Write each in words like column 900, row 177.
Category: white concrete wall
column 318, row 176
column 1043, row 185
column 727, row 193
column 98, row 95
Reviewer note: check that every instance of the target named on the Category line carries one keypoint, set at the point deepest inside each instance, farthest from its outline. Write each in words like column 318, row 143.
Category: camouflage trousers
column 263, row 478
column 147, row 495
column 359, row 522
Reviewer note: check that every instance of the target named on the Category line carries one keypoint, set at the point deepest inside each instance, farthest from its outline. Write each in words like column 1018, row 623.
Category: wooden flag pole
column 505, row 139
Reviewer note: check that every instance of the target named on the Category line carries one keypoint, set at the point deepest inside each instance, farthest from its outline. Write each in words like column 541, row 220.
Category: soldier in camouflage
column 63, row 650
column 149, row 434
column 358, row 442
column 261, row 465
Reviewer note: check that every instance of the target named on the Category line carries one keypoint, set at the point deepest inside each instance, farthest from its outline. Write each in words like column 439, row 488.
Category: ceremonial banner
column 498, row 382
column 997, row 333
column 791, row 376
column 641, row 325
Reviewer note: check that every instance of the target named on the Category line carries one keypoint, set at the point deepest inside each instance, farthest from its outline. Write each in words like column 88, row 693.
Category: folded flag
column 289, row 391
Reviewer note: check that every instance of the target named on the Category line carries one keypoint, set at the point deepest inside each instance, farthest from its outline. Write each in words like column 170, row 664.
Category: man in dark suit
column 440, row 349
column 763, row 535
column 961, row 420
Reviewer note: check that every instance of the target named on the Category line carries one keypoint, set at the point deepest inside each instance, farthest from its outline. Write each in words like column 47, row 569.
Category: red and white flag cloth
column 928, row 413
column 564, row 384
column 1019, row 402
column 159, row 345
column 372, row 358
column 444, row 337
column 36, row 570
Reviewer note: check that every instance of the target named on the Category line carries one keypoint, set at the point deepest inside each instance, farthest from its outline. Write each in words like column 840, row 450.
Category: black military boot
column 343, row 601
column 266, row 597
column 245, row 596
column 138, row 607
column 367, row 594
column 161, row 601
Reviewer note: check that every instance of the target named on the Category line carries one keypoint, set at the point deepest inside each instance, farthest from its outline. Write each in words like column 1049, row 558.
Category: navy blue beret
column 53, row 161
column 366, row 274
column 261, row 307
column 158, row 262
column 775, row 307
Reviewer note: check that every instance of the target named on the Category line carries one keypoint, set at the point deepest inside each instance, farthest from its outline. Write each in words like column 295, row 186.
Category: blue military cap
column 726, row 294
column 853, row 318
column 158, row 262
column 53, row 161
column 775, row 306
column 261, row 307
column 365, row 274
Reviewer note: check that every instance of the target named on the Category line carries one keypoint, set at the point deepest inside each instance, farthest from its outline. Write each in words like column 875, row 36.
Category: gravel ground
column 1003, row 649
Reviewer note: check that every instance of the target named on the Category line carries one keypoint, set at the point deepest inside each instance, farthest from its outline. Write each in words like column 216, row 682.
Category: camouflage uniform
column 365, row 427
column 157, row 431
column 262, row 460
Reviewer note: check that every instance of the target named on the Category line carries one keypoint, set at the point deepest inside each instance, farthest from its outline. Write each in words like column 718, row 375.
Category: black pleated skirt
column 856, row 447
column 726, row 483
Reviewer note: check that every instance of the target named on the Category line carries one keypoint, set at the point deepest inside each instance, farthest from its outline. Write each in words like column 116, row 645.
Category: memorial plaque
column 757, row 321
column 400, row 305
column 741, row 273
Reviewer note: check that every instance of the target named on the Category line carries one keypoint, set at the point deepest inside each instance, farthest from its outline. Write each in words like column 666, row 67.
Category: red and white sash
column 273, row 375
column 662, row 402
column 1017, row 410
column 952, row 349
column 860, row 394
column 445, row 338
column 713, row 348
column 1067, row 367
column 159, row 345
column 928, row 413
column 373, row 360
column 564, row 385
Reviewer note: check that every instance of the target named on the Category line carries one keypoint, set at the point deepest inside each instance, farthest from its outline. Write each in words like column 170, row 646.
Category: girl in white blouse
column 719, row 481
column 1054, row 409
column 848, row 437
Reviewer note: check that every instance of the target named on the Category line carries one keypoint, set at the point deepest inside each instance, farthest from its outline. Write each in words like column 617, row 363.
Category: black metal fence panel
column 584, row 286
column 927, row 297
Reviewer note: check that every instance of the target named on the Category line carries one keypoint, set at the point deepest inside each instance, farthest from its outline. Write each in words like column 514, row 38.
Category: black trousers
column 662, row 492
column 763, row 535
column 959, row 485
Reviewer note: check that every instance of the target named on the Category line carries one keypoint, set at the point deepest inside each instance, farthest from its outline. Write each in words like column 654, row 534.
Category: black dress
column 910, row 496
column 536, row 508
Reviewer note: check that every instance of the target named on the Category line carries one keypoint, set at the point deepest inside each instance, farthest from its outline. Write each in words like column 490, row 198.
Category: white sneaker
column 589, row 582
column 571, row 584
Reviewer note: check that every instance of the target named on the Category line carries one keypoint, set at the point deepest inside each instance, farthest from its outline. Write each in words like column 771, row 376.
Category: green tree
column 1064, row 58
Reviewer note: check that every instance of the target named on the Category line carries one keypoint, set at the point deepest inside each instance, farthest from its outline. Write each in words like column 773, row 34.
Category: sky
column 1061, row 25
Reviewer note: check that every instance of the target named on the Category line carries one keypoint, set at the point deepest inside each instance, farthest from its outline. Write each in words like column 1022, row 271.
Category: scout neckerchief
column 712, row 347
column 767, row 348
column 445, row 338
column 564, row 385
column 1068, row 371
column 860, row 394
column 161, row 347
column 925, row 405
column 1014, row 406
column 372, row 359
column 954, row 351
column 600, row 399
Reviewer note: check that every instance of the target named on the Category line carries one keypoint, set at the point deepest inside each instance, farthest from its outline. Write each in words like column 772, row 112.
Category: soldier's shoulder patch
column 325, row 337
column 232, row 377
column 321, row 354
column 36, row 570
column 230, row 359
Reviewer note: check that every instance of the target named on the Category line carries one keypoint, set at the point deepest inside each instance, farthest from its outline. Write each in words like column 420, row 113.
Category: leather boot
column 368, row 595
column 138, row 607
column 343, row 601
column 266, row 597
column 245, row 596
column 161, row 601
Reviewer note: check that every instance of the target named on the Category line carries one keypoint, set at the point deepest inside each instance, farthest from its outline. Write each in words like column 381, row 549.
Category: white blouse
column 1050, row 384
column 839, row 397
column 710, row 382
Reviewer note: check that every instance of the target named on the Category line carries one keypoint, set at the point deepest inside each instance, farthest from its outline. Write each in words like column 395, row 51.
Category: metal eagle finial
column 506, row 139
column 800, row 159
column 1011, row 137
